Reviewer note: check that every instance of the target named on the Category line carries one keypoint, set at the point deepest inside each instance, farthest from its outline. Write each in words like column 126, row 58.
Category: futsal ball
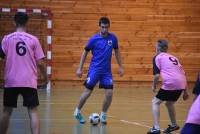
column 94, row 118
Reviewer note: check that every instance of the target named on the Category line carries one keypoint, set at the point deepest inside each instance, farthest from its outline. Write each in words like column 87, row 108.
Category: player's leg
column 106, row 82
column 90, row 83
column 171, row 111
column 83, row 98
column 156, row 101
column 107, row 100
column 9, row 101
column 172, row 97
column 156, row 111
column 106, row 104
column 31, row 101
column 5, row 119
column 156, row 116
column 34, row 120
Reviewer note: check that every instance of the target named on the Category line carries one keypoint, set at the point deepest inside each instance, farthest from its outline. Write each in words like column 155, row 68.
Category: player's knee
column 87, row 92
column 169, row 104
column 109, row 94
column 156, row 101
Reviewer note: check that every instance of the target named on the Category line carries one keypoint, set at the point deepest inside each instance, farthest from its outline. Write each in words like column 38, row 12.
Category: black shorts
column 168, row 95
column 190, row 129
column 30, row 96
column 196, row 91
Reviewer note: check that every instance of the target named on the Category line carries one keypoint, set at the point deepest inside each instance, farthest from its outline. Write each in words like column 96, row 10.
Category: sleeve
column 196, row 89
column 156, row 69
column 3, row 44
column 115, row 43
column 89, row 45
column 39, row 54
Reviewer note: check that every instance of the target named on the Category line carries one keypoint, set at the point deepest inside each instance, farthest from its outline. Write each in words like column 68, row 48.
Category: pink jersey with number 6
column 21, row 50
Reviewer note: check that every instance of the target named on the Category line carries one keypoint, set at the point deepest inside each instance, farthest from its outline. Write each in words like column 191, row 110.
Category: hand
column 121, row 71
column 79, row 73
column 185, row 95
column 154, row 89
column 42, row 86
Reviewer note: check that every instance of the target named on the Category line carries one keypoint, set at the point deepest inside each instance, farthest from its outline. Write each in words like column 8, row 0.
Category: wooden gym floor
column 130, row 112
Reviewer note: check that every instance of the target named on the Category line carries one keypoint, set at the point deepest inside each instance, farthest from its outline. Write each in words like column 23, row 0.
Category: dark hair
column 104, row 20
column 163, row 45
column 21, row 19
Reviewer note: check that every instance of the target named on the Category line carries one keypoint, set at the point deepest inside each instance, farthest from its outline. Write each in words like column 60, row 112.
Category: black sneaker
column 153, row 131
column 171, row 128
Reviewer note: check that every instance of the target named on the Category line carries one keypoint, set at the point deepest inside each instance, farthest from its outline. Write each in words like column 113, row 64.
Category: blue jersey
column 101, row 48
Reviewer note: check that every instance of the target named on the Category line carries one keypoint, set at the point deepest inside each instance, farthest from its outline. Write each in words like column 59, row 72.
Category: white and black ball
column 94, row 118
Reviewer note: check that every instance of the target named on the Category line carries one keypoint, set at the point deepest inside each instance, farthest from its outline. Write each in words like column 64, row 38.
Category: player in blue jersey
column 101, row 46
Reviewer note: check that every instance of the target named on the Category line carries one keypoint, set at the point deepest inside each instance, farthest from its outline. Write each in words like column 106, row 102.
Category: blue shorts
column 105, row 81
column 190, row 129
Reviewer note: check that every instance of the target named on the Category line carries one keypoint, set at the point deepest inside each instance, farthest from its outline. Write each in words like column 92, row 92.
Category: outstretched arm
column 82, row 61
column 118, row 59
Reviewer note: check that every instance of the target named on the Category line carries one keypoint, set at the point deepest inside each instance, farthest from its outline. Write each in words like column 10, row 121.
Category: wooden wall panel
column 137, row 24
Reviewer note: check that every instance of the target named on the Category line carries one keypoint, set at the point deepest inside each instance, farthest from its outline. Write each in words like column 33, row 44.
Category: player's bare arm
column 118, row 59
column 185, row 95
column 155, row 81
column 82, row 61
column 2, row 55
column 41, row 66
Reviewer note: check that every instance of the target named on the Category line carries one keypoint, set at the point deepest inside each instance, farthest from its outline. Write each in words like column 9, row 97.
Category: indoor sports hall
column 64, row 27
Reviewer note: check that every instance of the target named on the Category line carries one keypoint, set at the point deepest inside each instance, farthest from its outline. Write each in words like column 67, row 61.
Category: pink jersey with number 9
column 173, row 75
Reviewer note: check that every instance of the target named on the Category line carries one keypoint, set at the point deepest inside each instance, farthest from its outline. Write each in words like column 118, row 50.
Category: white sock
column 103, row 113
column 77, row 111
column 173, row 124
column 157, row 127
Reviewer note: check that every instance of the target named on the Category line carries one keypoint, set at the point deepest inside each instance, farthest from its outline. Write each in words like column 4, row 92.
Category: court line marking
column 61, row 119
column 115, row 103
column 136, row 123
column 121, row 120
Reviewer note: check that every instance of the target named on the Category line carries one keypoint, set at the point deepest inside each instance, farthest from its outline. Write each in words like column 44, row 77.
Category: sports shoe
column 153, row 131
column 80, row 118
column 103, row 119
column 171, row 128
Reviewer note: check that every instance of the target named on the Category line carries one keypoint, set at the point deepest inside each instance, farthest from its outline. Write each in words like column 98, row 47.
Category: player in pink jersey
column 23, row 54
column 173, row 83
column 192, row 125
